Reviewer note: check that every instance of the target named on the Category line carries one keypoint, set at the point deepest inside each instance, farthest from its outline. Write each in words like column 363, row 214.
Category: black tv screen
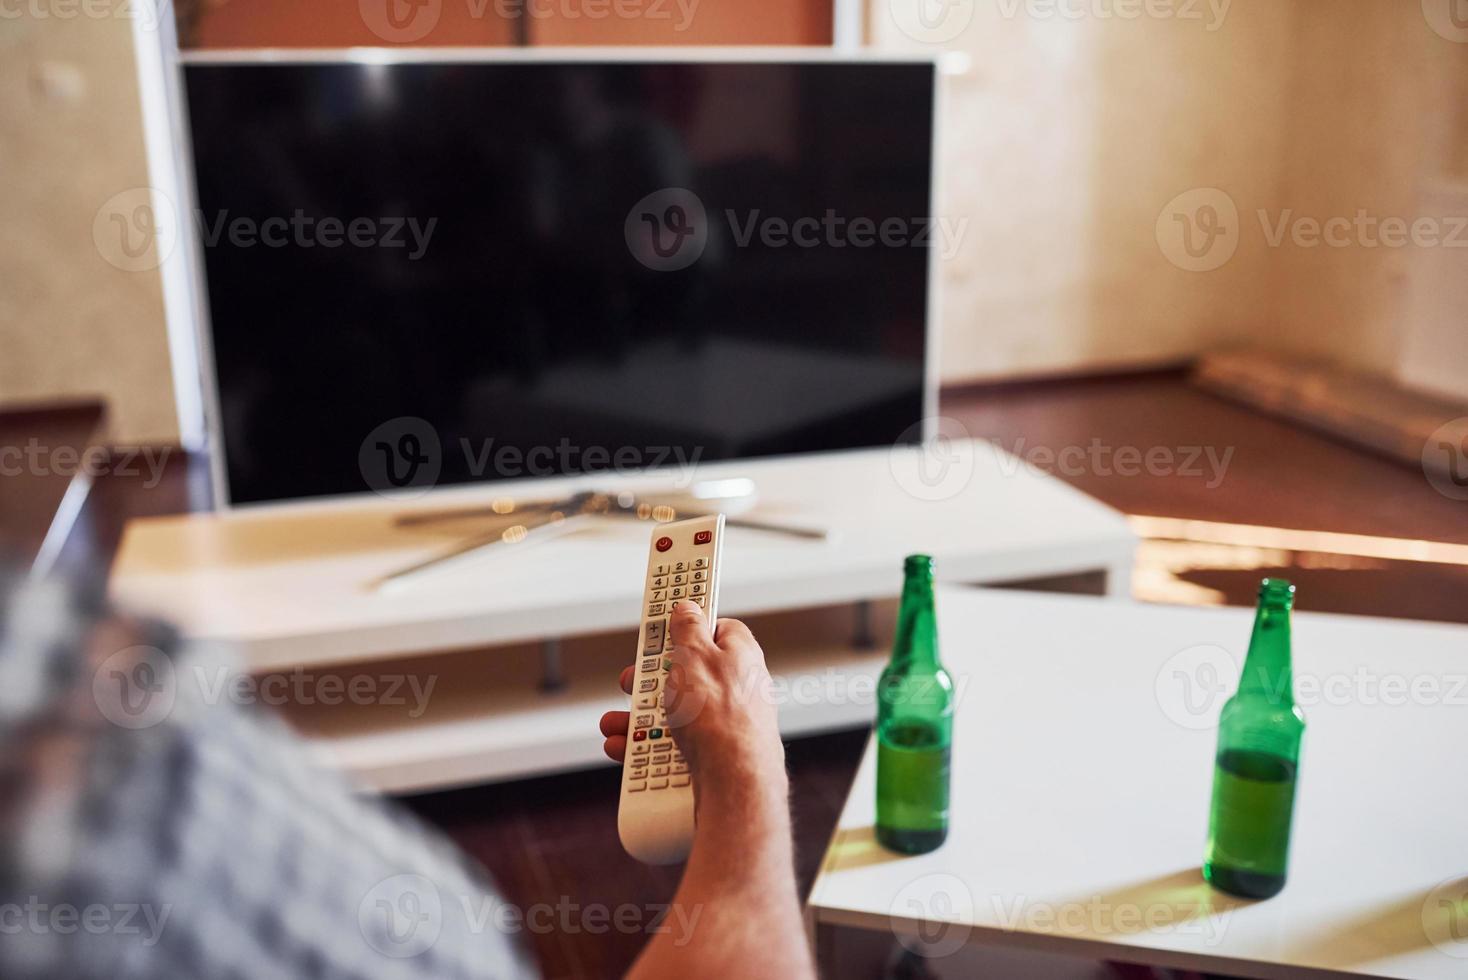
column 431, row 272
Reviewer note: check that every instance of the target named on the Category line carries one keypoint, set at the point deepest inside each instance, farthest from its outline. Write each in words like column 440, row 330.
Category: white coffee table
column 1082, row 764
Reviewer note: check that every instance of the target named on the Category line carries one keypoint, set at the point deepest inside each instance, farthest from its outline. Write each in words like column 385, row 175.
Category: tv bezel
column 216, row 447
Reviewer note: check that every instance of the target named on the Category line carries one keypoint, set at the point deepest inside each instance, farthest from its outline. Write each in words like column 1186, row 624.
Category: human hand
column 717, row 703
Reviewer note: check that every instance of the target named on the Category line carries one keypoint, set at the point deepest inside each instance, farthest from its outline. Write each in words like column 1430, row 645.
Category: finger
column 729, row 629
column 615, row 748
column 682, row 700
column 626, row 681
column 688, row 627
column 614, row 723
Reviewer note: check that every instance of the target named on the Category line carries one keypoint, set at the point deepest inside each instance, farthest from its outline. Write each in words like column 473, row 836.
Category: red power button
column 664, row 544
column 703, row 537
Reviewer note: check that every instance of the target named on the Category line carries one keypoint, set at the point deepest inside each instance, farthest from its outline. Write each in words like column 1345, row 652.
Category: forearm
column 738, row 890
column 737, row 904
column 743, row 839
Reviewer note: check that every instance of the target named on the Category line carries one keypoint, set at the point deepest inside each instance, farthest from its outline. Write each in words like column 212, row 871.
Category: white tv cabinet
column 291, row 589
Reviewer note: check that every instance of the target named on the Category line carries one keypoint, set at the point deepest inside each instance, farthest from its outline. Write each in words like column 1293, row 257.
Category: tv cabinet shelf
column 291, row 588
column 484, row 716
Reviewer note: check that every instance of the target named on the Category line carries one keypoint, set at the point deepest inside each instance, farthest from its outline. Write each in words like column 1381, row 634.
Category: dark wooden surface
column 554, row 839
column 41, row 452
column 1278, row 476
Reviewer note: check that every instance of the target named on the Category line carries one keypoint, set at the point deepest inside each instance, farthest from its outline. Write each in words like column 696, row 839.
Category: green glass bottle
column 914, row 724
column 1259, row 736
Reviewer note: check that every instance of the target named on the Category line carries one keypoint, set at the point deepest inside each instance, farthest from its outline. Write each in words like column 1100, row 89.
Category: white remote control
column 655, row 817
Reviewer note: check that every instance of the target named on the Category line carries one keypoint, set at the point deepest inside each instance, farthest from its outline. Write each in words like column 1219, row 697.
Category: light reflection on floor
column 1171, row 549
column 1287, row 539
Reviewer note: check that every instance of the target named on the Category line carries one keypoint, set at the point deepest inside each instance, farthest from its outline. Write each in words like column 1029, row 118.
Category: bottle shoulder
column 1262, row 710
column 898, row 672
column 926, row 691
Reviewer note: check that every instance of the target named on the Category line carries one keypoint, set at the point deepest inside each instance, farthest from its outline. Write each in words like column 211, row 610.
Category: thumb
column 687, row 625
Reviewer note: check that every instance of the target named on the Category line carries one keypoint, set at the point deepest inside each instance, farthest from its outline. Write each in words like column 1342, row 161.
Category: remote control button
column 637, row 786
column 703, row 537
column 657, row 783
column 659, row 595
column 652, row 644
column 649, row 664
column 659, row 770
column 638, row 736
column 655, row 733
column 680, row 579
column 700, row 563
column 660, row 569
column 640, row 748
column 644, row 721
column 655, row 609
column 667, row 663
column 680, row 566
column 679, row 768
column 676, row 592
column 697, row 588
column 647, row 684
column 701, row 575
column 664, row 543
column 660, row 758
column 680, row 780
column 646, row 701
column 702, row 600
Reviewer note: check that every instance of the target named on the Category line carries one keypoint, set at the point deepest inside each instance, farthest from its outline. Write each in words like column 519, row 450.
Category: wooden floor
column 1278, row 478
column 554, row 840
column 1209, row 538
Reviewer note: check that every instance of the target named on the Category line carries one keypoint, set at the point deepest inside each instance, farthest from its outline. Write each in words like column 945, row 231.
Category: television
column 428, row 268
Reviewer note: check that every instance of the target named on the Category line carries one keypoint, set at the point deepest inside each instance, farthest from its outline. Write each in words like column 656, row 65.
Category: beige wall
column 1377, row 114
column 1064, row 139
column 1070, row 133
column 71, row 324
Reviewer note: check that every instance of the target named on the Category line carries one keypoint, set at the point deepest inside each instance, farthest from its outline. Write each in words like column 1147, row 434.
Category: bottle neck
column 1267, row 669
column 916, row 643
